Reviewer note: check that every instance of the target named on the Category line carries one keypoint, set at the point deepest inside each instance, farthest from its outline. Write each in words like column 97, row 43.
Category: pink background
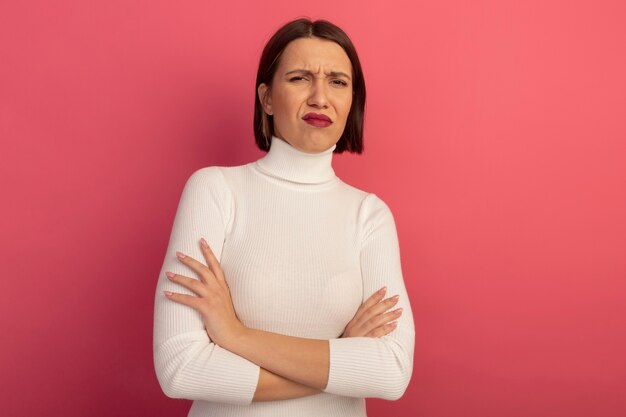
column 495, row 132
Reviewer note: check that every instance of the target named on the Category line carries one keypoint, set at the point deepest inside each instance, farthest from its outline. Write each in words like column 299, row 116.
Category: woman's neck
column 289, row 163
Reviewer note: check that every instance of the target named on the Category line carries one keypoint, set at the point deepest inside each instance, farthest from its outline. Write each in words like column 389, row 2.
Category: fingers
column 370, row 302
column 377, row 309
column 382, row 319
column 197, row 266
column 206, row 272
column 383, row 330
column 188, row 300
column 212, row 260
column 374, row 319
column 191, row 284
column 208, row 276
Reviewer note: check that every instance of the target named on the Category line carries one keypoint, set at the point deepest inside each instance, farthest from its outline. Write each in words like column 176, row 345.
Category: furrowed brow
column 339, row 74
column 307, row 72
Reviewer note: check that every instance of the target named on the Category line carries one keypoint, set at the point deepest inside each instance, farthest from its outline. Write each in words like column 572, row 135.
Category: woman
column 289, row 317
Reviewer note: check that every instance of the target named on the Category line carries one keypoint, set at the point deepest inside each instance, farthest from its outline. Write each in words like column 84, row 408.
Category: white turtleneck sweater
column 300, row 250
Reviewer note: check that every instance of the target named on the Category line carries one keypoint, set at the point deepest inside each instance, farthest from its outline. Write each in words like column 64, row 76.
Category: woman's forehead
column 315, row 55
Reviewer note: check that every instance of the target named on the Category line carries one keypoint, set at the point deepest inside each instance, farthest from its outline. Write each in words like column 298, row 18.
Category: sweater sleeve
column 376, row 367
column 187, row 363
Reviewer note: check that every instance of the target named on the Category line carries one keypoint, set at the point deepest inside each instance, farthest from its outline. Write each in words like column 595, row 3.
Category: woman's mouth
column 317, row 120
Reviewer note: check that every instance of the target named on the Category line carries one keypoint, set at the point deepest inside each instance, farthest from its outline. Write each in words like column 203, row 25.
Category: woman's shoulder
column 209, row 175
column 373, row 212
column 209, row 180
column 369, row 201
column 217, row 173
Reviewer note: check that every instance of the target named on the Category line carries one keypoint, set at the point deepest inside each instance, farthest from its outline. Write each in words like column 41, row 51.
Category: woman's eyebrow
column 332, row 73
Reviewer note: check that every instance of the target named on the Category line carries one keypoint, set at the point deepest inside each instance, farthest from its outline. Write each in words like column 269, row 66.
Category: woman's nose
column 318, row 95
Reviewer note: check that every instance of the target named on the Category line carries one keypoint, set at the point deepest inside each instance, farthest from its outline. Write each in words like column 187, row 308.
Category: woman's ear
column 265, row 98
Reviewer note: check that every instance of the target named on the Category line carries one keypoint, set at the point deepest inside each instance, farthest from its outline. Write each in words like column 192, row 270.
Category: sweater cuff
column 190, row 367
column 239, row 377
column 347, row 374
column 367, row 367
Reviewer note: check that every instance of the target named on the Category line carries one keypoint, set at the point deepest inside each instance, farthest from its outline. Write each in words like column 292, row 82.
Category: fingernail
column 167, row 293
column 393, row 324
column 203, row 243
column 169, row 274
column 398, row 310
column 395, row 297
column 180, row 255
column 382, row 290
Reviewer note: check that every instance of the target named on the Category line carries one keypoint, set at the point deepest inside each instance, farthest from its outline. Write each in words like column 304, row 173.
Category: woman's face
column 311, row 94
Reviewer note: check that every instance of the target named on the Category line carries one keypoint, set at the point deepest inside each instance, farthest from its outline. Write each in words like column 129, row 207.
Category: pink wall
column 495, row 132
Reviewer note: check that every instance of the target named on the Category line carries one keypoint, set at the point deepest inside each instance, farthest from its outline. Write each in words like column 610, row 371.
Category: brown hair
column 352, row 137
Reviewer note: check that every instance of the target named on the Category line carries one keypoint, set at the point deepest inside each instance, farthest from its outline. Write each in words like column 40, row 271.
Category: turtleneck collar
column 289, row 163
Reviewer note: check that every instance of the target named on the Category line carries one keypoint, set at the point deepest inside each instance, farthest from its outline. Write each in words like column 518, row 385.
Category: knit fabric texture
column 300, row 250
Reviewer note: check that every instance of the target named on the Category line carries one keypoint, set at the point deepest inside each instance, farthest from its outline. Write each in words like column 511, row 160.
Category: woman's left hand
column 213, row 300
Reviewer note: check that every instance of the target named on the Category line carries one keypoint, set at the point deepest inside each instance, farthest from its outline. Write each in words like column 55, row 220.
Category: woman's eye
column 298, row 78
column 340, row 83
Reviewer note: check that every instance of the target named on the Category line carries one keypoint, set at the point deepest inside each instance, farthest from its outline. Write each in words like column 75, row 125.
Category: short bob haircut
column 352, row 137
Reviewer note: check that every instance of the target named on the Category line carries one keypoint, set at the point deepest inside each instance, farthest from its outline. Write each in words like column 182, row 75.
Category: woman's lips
column 317, row 120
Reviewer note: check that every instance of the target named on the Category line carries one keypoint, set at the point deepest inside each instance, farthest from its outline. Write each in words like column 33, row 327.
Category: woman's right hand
column 371, row 319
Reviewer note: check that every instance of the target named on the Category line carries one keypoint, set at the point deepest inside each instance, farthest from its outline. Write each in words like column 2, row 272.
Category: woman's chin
column 318, row 142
